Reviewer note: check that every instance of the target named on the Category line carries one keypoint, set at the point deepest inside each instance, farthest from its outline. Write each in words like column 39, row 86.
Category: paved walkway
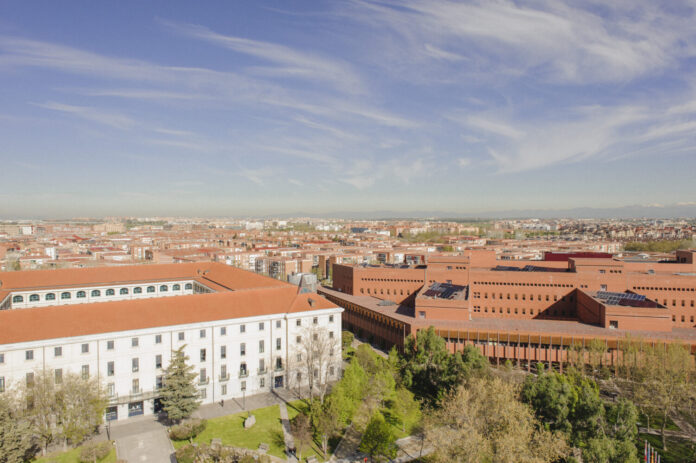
column 289, row 441
column 231, row 406
column 142, row 439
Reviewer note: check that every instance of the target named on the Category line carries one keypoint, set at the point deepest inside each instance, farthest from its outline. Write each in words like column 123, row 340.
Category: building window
column 95, row 293
column 279, row 363
column 150, row 289
column 242, row 328
column 137, row 290
column 601, row 287
column 242, row 349
column 243, row 386
column 421, row 314
column 261, row 326
column 202, row 334
column 158, row 339
column 164, row 288
column 315, row 320
column 110, row 389
column 278, row 343
column 29, row 355
column 262, row 382
column 298, row 322
column 134, row 342
column 242, row 370
column 85, row 371
column 223, row 389
column 30, row 379
column 188, row 286
column 202, row 378
column 203, row 355
column 65, row 295
column 85, row 348
column 2, row 358
column 135, row 386
column 299, row 357
column 158, row 361
column 181, row 335
column 34, row 298
column 81, row 294
column 135, row 364
column 223, row 352
column 277, row 323
column 223, row 372
column 17, row 299
column 50, row 297
column 176, row 287
column 123, row 291
column 298, row 339
column 58, row 375
column 2, row 384
column 261, row 346
column 110, row 369
column 614, row 324
column 110, row 292
column 109, row 345
column 57, row 351
column 223, row 331
column 331, row 317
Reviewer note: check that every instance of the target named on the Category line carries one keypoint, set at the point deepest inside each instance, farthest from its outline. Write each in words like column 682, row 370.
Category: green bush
column 187, row 430
column 186, row 454
column 94, row 451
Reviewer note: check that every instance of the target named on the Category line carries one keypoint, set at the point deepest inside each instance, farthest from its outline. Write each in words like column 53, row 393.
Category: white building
column 242, row 332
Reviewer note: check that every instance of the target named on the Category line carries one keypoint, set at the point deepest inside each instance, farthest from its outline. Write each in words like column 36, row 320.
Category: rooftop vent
column 311, row 301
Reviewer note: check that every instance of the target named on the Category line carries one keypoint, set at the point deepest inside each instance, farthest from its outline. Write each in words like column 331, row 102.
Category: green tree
column 404, row 407
column 348, row 393
column 484, row 422
column 378, row 441
column 430, row 371
column 179, row 395
column 327, row 422
column 301, row 431
column 16, row 433
column 81, row 403
column 38, row 393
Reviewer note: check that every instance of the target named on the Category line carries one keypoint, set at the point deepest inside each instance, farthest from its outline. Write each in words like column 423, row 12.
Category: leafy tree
column 404, row 406
column 301, row 431
column 327, row 422
column 348, row 393
column 179, row 395
column 378, row 441
column 430, row 371
column 16, row 434
column 484, row 422
column 81, row 403
column 39, row 396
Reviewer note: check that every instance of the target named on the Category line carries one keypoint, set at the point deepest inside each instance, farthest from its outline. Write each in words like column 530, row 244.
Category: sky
column 233, row 108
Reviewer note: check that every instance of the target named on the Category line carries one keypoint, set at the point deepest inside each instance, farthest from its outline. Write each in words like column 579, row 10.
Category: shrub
column 94, row 451
column 186, row 454
column 187, row 430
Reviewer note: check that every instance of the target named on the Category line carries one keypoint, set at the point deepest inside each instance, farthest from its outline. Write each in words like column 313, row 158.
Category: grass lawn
column 231, row 430
column 678, row 450
column 295, row 408
column 73, row 456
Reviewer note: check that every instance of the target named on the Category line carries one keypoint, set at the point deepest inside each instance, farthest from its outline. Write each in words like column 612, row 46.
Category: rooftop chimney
column 311, row 301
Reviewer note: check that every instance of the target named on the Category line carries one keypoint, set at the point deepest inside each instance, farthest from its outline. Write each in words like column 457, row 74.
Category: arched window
column 50, row 297
column 176, row 287
column 188, row 286
column 34, row 298
column 163, row 288
column 110, row 292
column 123, row 291
column 17, row 299
column 96, row 293
column 150, row 289
column 81, row 294
column 137, row 290
column 65, row 295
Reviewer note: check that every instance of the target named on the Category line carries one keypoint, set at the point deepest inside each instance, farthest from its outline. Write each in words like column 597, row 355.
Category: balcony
column 278, row 368
column 243, row 373
column 262, row 371
column 223, row 378
column 204, row 381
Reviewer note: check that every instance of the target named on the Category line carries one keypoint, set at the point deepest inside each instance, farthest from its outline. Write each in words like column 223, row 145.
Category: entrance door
column 278, row 382
column 157, row 405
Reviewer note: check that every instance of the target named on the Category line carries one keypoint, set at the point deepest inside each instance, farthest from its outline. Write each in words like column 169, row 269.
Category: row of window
column 400, row 280
column 507, row 283
column 381, row 291
column 523, row 310
column 477, row 295
column 135, row 342
column 653, row 288
column 97, row 293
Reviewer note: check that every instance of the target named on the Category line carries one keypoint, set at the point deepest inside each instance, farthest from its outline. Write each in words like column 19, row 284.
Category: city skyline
column 319, row 107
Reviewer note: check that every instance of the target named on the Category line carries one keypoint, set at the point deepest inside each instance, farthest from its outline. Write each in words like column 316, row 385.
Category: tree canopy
column 179, row 395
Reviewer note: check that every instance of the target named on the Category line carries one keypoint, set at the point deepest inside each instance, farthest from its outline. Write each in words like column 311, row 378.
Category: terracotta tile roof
column 224, row 275
column 64, row 321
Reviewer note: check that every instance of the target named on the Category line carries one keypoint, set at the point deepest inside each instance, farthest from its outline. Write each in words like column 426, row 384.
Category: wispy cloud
column 289, row 62
column 118, row 121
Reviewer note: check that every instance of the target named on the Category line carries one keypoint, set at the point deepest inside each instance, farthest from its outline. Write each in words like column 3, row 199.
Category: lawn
column 231, row 430
column 72, row 456
column 294, row 409
column 678, row 450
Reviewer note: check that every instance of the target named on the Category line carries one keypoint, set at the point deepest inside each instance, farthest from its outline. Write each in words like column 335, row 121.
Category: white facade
column 233, row 358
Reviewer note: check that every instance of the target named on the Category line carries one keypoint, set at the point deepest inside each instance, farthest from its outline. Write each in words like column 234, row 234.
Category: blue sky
column 253, row 108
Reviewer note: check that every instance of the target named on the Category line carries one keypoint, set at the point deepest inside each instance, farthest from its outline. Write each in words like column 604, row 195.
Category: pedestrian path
column 289, row 441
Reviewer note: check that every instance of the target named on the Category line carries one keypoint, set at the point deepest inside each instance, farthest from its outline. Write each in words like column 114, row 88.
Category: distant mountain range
column 687, row 210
